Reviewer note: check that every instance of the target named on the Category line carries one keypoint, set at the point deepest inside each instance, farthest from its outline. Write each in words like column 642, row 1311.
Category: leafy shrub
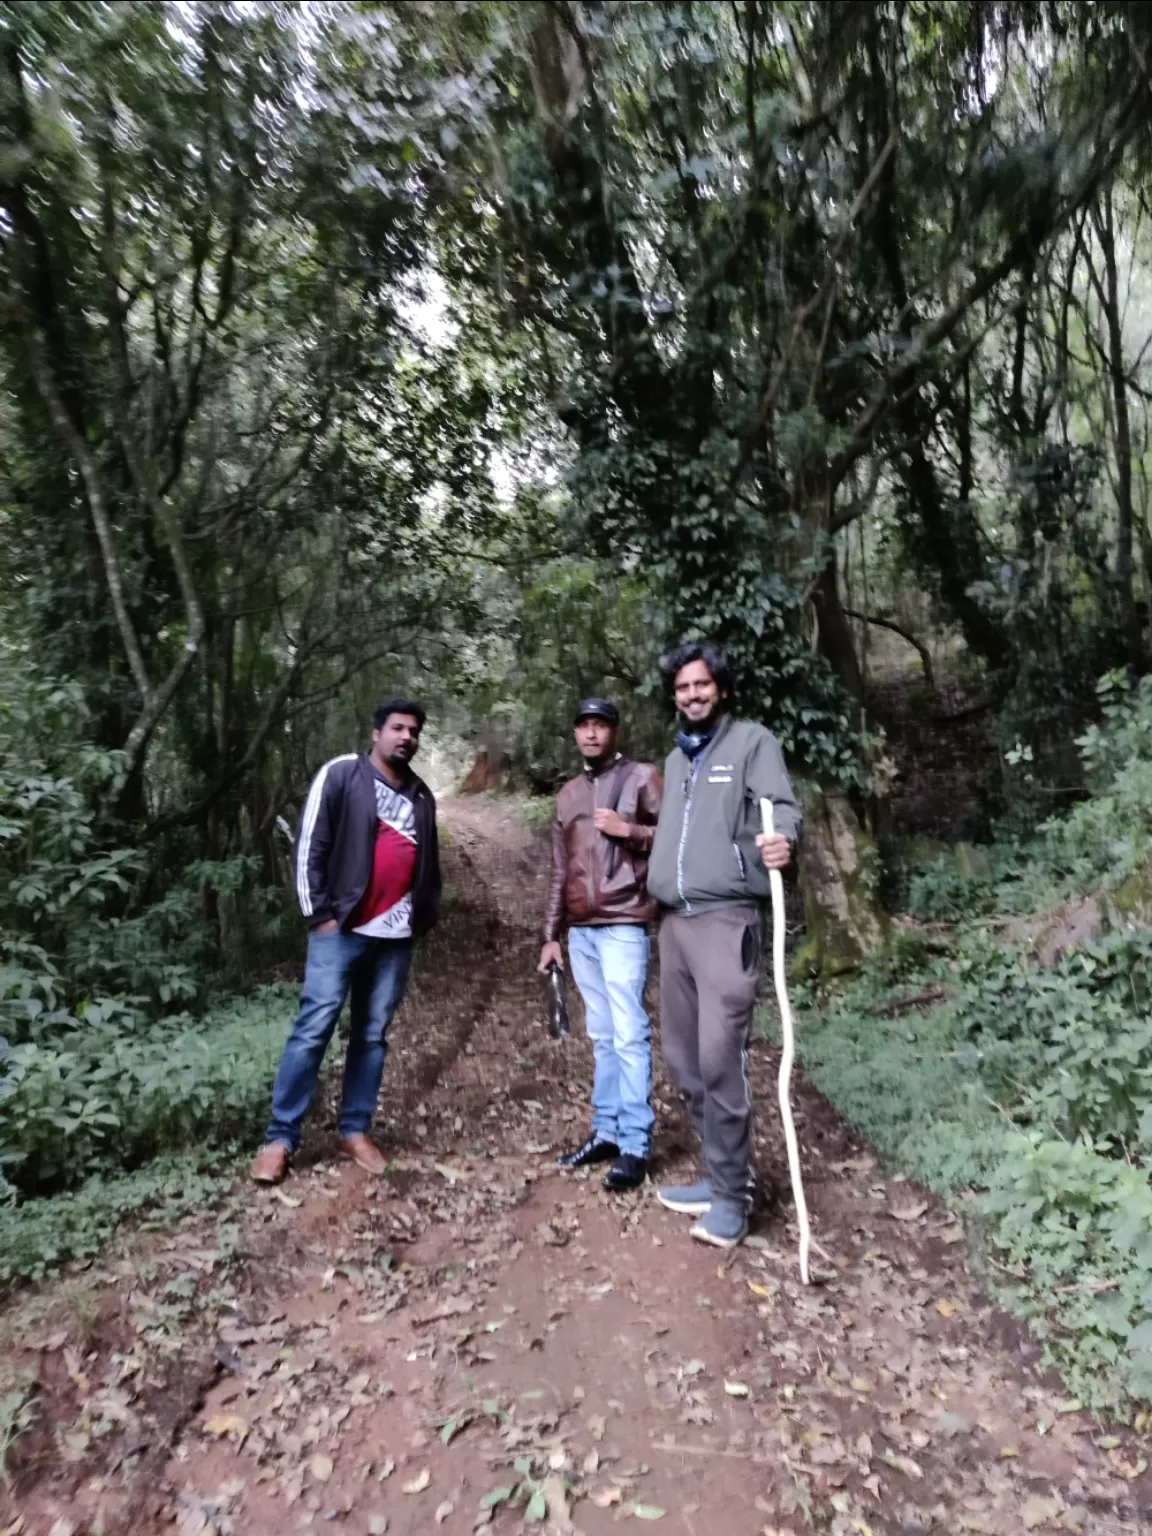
column 1080, row 1226
column 1030, row 1085
column 106, row 1094
column 39, row 1235
column 1065, row 1053
column 1069, row 1046
column 906, row 1081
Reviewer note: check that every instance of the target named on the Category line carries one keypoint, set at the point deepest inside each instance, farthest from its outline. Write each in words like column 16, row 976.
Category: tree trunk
column 837, row 643
column 840, row 873
column 1109, row 295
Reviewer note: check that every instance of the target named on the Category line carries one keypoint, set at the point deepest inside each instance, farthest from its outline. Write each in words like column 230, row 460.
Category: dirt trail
column 368, row 1357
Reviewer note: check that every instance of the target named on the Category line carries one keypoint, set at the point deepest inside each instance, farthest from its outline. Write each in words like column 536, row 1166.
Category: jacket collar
column 418, row 786
column 619, row 761
column 723, row 727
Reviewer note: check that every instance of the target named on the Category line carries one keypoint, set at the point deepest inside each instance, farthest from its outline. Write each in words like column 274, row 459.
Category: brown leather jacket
column 597, row 879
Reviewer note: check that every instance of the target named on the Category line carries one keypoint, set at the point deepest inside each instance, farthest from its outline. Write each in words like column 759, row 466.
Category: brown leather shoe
column 271, row 1164
column 363, row 1153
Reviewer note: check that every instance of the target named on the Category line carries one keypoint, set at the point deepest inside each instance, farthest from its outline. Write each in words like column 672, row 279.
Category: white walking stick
column 789, row 1041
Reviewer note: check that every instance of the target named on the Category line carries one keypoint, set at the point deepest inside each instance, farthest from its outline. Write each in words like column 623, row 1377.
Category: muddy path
column 479, row 1341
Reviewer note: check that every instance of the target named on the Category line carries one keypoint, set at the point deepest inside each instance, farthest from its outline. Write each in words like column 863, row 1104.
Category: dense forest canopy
column 789, row 324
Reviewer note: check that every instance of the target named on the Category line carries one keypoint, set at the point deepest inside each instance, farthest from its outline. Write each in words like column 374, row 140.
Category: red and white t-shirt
column 385, row 909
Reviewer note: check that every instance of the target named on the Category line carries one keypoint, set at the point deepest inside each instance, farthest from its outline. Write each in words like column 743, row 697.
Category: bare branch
column 879, row 622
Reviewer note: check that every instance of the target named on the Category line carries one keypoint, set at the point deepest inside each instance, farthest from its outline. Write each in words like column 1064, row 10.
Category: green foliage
column 750, row 292
column 39, row 1235
column 1067, row 1057
column 17, row 1415
column 1069, row 1047
column 101, row 1065
column 1078, row 1226
column 1102, row 843
column 904, row 1080
column 1029, row 1085
column 108, row 1093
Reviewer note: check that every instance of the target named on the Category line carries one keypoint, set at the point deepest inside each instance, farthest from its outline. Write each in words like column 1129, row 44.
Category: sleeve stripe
column 307, row 826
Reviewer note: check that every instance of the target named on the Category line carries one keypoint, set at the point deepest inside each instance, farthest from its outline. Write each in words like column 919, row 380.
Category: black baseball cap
column 597, row 709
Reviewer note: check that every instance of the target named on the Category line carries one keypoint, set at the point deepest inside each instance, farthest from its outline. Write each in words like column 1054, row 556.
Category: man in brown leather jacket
column 601, row 838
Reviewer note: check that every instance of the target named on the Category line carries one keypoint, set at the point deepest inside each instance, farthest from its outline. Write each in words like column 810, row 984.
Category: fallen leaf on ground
column 1038, row 1510
column 377, row 1525
column 947, row 1308
column 455, row 1306
column 289, row 1200
column 646, row 1511
column 226, row 1424
column 604, row 1498
column 759, row 1290
column 735, row 1389
column 418, row 1484
column 496, row 1496
column 903, row 1464
column 550, row 1236
column 443, row 1511
column 321, row 1468
column 446, row 1171
column 949, row 1424
column 909, row 1212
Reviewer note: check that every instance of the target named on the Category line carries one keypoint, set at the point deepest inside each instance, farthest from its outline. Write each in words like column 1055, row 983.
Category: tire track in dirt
column 388, row 1352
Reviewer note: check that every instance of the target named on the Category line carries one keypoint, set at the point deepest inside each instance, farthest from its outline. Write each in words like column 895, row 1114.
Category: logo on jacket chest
column 720, row 773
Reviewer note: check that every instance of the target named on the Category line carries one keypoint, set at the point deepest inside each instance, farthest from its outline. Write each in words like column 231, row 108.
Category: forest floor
column 478, row 1337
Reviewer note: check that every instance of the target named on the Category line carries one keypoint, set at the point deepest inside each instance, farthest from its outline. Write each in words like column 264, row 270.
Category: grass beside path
column 1002, row 1086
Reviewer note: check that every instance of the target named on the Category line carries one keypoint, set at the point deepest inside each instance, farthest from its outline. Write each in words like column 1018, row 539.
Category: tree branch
column 85, row 462
column 918, row 646
column 808, row 309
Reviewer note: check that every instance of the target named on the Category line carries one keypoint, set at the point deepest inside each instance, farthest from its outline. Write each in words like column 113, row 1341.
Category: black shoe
column 627, row 1172
column 593, row 1151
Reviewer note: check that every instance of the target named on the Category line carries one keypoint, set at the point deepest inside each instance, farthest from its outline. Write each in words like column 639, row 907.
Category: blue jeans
column 610, row 966
column 375, row 971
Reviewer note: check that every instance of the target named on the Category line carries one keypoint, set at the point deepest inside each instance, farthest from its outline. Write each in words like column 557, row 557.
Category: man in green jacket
column 709, row 872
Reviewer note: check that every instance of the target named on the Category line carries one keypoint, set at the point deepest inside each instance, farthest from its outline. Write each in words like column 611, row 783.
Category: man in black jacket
column 368, row 883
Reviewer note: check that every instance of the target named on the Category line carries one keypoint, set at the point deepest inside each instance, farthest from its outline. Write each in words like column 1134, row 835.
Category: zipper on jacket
column 692, row 767
column 592, row 858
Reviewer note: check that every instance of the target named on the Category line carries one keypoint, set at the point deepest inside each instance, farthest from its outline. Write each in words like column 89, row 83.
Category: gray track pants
column 709, row 967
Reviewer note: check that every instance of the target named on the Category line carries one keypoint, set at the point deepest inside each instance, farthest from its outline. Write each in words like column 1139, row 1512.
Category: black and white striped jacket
column 336, row 840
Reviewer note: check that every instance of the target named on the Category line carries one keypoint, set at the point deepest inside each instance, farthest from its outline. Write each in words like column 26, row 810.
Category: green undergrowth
column 38, row 1236
column 106, row 1122
column 106, row 1095
column 1023, row 1099
column 1022, row 1092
